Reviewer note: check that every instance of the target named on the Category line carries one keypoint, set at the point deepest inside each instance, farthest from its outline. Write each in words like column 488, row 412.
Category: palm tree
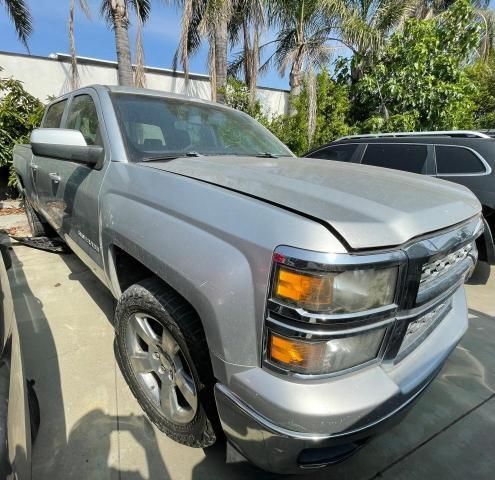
column 116, row 12
column 302, row 43
column 206, row 19
column 249, row 20
column 74, row 72
column 363, row 26
column 21, row 18
column 430, row 8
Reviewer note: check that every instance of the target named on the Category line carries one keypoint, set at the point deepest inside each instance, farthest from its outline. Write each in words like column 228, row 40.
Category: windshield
column 156, row 127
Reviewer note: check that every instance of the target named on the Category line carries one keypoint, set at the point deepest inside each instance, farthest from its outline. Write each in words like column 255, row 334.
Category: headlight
column 323, row 357
column 335, row 292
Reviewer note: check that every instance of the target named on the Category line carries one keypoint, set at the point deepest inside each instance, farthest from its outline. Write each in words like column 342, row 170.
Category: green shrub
column 332, row 102
column 20, row 113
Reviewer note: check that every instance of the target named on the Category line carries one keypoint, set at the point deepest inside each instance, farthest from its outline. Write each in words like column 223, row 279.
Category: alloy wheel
column 161, row 368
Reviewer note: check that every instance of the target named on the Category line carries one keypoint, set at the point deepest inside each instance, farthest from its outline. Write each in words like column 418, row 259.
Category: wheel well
column 129, row 270
column 489, row 215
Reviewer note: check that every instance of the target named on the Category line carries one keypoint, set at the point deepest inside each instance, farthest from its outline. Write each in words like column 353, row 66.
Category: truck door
column 76, row 186
column 42, row 193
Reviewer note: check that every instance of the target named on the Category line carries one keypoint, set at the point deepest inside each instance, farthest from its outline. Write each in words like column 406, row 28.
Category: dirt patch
column 13, row 231
column 11, row 211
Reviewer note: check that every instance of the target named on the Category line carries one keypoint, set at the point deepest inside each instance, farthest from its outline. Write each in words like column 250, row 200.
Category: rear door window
column 54, row 114
column 340, row 153
column 399, row 156
column 457, row 161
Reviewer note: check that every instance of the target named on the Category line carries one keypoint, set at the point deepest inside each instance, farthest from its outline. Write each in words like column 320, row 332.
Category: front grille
column 434, row 270
column 430, row 269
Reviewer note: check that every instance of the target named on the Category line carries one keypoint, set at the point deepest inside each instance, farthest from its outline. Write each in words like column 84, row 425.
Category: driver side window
column 83, row 117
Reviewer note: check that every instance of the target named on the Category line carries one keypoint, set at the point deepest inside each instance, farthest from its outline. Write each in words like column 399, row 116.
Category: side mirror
column 64, row 144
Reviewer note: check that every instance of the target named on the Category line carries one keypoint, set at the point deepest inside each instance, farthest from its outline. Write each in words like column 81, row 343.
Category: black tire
column 173, row 313
column 36, row 225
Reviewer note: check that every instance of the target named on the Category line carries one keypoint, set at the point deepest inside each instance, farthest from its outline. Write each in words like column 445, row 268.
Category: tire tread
column 150, row 294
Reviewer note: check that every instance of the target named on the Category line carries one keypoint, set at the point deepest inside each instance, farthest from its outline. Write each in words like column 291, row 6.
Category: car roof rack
column 489, row 131
column 437, row 133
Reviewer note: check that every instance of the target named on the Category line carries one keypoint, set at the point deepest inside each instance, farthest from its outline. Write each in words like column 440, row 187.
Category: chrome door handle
column 55, row 177
column 34, row 166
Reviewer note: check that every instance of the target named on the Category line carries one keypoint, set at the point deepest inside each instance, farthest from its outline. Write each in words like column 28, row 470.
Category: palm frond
column 20, row 15
column 487, row 41
column 74, row 71
column 190, row 39
column 142, row 8
column 84, row 6
column 236, row 65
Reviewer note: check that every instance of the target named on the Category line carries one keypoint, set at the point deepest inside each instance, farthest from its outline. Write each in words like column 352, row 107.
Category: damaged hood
column 370, row 207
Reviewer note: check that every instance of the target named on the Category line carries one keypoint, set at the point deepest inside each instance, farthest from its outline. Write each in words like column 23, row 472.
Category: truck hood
column 369, row 207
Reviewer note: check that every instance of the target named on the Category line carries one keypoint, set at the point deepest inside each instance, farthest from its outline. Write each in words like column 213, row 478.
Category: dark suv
column 463, row 157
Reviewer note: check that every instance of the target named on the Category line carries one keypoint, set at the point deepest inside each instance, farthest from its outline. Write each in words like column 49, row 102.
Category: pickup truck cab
column 299, row 305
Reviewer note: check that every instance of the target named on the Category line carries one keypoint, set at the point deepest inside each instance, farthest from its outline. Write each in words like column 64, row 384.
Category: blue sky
column 95, row 39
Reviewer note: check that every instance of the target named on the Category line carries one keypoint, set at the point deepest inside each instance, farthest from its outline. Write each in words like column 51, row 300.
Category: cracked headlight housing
column 341, row 292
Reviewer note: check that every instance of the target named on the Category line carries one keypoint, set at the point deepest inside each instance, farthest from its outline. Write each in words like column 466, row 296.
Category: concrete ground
column 92, row 428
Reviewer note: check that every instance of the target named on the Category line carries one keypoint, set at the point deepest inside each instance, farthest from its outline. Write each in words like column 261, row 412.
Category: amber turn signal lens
column 291, row 352
column 331, row 355
column 310, row 291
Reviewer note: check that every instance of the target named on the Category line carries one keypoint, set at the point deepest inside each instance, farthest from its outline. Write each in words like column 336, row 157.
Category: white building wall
column 46, row 77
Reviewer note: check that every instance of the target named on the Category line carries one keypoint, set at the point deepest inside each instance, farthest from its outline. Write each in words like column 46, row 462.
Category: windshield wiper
column 172, row 156
column 268, row 155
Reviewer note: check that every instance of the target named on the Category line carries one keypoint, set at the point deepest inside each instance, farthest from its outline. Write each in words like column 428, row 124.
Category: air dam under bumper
column 284, row 425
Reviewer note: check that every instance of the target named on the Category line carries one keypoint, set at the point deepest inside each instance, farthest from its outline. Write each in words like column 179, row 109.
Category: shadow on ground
column 84, row 451
column 465, row 385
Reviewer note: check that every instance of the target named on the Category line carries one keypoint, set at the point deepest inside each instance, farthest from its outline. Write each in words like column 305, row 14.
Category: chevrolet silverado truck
column 296, row 306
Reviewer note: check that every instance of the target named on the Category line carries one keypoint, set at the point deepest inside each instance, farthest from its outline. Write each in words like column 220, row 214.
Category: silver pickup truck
column 299, row 306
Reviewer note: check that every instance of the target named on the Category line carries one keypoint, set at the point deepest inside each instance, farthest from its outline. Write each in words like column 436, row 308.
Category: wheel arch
column 126, row 269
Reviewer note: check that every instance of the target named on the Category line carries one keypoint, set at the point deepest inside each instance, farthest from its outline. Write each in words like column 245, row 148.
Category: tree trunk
column 120, row 25
column 295, row 83
column 74, row 72
column 221, row 34
column 356, row 70
column 255, row 65
column 247, row 52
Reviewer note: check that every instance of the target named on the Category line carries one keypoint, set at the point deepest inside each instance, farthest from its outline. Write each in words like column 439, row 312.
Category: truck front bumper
column 284, row 425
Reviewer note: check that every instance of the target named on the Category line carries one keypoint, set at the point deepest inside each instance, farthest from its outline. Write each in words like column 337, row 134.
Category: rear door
column 42, row 166
column 409, row 157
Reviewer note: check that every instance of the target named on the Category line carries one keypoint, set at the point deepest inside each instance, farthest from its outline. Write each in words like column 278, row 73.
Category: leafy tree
column 238, row 95
column 21, row 18
column 332, row 108
column 20, row 112
column 421, row 73
column 482, row 75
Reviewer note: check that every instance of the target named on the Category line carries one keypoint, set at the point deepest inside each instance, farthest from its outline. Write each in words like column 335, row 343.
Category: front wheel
column 163, row 355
